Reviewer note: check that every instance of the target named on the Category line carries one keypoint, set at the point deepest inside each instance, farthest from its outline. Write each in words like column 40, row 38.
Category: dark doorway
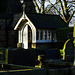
column 29, row 37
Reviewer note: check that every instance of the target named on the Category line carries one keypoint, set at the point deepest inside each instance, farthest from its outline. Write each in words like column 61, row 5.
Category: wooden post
column 6, row 56
column 63, row 50
column 74, row 44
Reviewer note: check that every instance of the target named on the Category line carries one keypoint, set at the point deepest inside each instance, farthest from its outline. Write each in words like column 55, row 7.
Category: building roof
column 28, row 0
column 47, row 21
column 44, row 21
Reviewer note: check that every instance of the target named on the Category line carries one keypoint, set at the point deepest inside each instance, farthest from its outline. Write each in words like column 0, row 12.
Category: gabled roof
column 47, row 21
column 15, row 20
column 28, row 0
column 44, row 21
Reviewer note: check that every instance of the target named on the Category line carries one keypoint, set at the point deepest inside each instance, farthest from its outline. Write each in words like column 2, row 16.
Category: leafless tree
column 65, row 8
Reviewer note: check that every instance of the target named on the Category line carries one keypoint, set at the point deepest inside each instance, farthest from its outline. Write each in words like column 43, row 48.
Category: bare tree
column 65, row 8
column 39, row 4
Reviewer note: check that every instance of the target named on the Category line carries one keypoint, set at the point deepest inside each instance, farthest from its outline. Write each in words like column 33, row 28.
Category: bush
column 20, row 56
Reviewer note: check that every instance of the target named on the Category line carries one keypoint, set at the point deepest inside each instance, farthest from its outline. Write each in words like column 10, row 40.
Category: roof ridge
column 43, row 14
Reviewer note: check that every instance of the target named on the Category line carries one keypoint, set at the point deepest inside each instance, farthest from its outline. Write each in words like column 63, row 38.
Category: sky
column 72, row 22
column 53, row 1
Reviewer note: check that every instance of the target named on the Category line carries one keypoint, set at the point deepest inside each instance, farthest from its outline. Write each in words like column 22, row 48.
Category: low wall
column 72, row 70
column 47, row 45
column 9, row 69
column 60, row 71
column 22, row 70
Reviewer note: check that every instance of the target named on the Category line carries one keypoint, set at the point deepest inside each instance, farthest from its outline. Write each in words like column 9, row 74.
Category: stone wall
column 2, row 33
column 8, row 37
column 2, row 38
column 10, row 41
column 12, row 38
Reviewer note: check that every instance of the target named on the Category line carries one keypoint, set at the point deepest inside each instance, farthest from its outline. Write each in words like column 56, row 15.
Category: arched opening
column 29, row 37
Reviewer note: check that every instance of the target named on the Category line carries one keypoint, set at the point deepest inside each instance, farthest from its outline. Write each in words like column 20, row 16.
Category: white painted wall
column 19, row 36
column 25, row 37
column 23, row 33
column 33, row 30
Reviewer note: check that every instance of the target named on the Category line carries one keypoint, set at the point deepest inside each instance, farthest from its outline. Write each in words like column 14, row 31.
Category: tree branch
column 62, row 9
column 53, row 6
column 69, row 17
column 37, row 7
